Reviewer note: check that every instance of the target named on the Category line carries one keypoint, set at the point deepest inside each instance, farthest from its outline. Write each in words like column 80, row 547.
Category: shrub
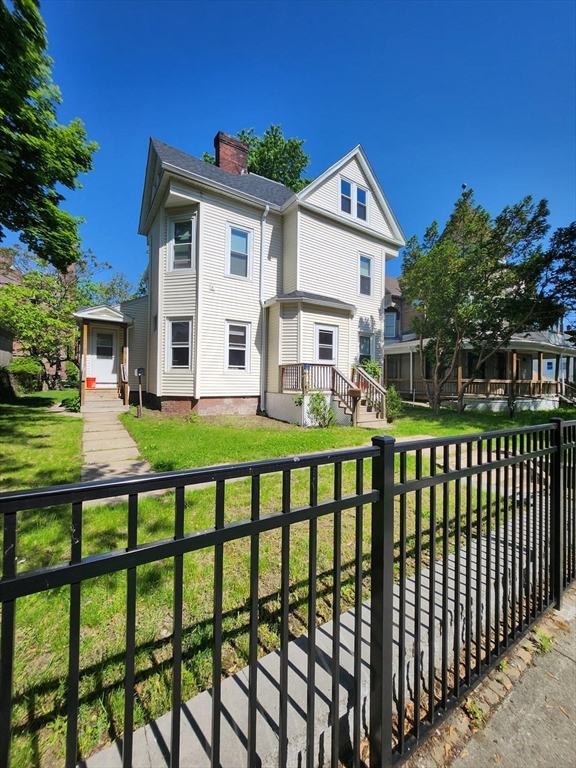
column 72, row 403
column 320, row 411
column 372, row 369
column 25, row 372
column 72, row 373
column 394, row 404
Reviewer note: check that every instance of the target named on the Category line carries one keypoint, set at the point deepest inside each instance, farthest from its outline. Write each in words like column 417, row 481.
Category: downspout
column 263, row 333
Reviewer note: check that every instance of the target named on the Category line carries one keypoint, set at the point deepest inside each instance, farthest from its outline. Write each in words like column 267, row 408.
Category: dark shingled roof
column 268, row 191
column 304, row 295
column 392, row 286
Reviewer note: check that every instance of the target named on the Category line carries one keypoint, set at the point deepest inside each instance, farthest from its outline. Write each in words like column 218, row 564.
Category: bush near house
column 26, row 373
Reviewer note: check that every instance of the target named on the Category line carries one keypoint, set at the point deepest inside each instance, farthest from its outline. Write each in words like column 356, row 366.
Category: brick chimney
column 231, row 153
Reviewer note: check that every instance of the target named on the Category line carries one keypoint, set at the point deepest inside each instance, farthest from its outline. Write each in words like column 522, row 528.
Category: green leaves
column 36, row 153
column 274, row 157
column 478, row 282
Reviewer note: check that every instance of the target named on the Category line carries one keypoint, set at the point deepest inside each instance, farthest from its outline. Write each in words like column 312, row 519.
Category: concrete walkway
column 536, row 724
column 109, row 451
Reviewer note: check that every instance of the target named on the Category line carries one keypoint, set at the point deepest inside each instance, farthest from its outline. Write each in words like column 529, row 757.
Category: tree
column 39, row 305
column 37, row 155
column 478, row 283
column 274, row 157
column 563, row 254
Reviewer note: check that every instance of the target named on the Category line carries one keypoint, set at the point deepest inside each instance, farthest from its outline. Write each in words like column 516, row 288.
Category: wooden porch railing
column 483, row 387
column 374, row 392
column 341, row 387
column 305, row 377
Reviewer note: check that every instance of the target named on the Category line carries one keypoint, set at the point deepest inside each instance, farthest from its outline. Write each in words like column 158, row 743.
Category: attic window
column 345, row 196
column 353, row 200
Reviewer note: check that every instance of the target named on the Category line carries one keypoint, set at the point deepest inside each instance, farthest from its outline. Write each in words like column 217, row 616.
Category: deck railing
column 481, row 387
column 471, row 539
column 374, row 392
column 306, row 377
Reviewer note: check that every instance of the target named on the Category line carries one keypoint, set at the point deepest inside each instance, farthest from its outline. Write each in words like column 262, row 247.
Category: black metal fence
column 419, row 575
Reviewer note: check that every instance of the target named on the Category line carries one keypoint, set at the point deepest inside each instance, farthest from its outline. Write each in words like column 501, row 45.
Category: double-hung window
column 326, row 344
column 239, row 252
column 238, row 346
column 353, row 200
column 361, row 203
column 345, row 196
column 365, row 275
column 390, row 319
column 179, row 343
column 182, row 243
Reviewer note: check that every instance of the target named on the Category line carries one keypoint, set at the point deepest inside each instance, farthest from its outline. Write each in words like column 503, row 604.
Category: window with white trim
column 179, row 337
column 238, row 346
column 239, row 252
column 326, row 344
column 390, row 323
column 365, row 342
column 365, row 275
column 181, row 245
column 354, row 199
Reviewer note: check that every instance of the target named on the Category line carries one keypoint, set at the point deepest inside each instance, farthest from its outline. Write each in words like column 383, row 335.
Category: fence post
column 382, row 605
column 557, row 507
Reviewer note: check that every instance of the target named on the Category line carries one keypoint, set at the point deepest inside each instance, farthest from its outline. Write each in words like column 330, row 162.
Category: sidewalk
column 109, row 452
column 524, row 714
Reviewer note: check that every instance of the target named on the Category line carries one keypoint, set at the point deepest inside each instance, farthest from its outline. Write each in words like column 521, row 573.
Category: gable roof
column 103, row 313
column 377, row 190
column 271, row 192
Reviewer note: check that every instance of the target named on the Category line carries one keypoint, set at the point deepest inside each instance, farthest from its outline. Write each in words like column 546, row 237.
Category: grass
column 184, row 442
column 177, row 443
column 38, row 448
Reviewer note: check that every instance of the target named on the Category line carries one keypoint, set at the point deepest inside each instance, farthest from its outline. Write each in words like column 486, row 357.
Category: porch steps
column 102, row 401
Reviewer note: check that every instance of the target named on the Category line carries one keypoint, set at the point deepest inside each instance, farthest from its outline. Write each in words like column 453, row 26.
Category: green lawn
column 181, row 442
column 37, row 447
column 176, row 443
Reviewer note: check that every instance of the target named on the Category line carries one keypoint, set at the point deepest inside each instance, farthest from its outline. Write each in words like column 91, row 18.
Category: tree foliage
column 478, row 282
column 563, row 253
column 38, row 306
column 274, row 156
column 38, row 156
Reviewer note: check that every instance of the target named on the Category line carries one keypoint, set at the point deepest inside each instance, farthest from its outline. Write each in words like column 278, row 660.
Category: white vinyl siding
column 137, row 339
column 324, row 243
column 227, row 299
column 273, row 348
column 155, row 287
column 289, row 273
column 177, row 300
column 312, row 317
column 327, row 196
column 289, row 334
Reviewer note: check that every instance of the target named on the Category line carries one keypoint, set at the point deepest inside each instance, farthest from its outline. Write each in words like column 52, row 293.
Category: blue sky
column 438, row 94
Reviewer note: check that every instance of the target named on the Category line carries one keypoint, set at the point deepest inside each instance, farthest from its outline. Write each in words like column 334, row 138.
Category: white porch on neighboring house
column 104, row 355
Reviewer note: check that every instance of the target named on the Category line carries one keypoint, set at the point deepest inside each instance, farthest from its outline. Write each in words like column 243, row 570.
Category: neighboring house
column 254, row 292
column 538, row 369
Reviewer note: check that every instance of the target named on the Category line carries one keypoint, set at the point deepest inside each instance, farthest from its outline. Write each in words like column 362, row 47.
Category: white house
column 254, row 292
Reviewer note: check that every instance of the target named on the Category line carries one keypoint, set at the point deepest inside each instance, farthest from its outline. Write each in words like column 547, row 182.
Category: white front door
column 104, row 358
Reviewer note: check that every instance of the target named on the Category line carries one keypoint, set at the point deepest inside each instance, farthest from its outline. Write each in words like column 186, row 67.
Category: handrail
column 373, row 390
column 305, row 377
column 341, row 387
